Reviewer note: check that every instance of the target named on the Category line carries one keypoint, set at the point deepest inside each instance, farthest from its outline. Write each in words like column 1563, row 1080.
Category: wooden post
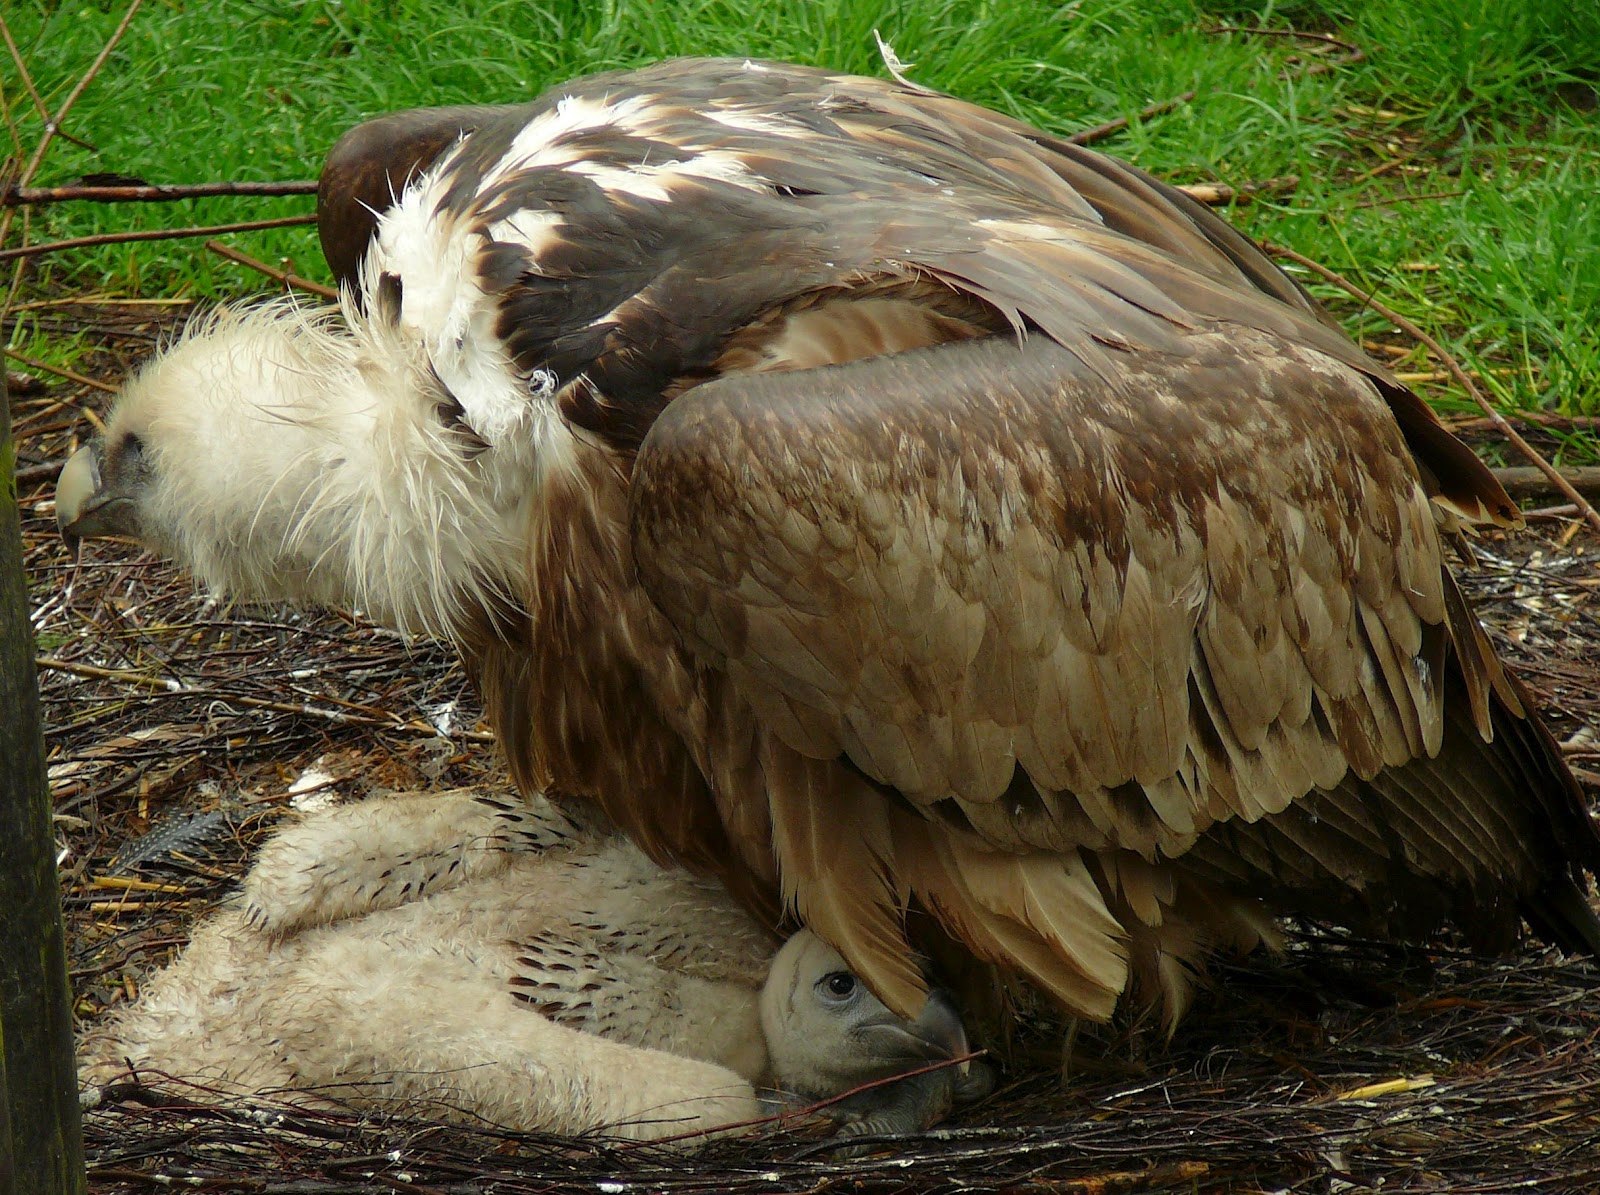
column 41, row 1140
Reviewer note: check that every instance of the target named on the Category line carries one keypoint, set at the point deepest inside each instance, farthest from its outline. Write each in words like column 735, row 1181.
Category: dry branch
column 1112, row 127
column 21, row 64
column 1326, row 39
column 1350, row 53
column 1420, row 197
column 1501, row 424
column 53, row 125
column 20, row 196
column 152, row 234
column 1544, row 419
column 1523, row 482
column 59, row 371
column 1322, row 68
column 1350, row 56
column 282, row 277
column 1222, row 194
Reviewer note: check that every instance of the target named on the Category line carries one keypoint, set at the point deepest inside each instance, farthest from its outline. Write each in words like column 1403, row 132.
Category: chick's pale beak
column 85, row 507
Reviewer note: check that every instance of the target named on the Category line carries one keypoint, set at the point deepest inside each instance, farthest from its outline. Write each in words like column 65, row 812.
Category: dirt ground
column 178, row 731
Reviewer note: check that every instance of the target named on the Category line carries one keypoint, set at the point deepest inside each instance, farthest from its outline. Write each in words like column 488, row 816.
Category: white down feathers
column 378, row 953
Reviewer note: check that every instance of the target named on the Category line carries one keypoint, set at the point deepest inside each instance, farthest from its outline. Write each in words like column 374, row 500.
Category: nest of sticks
column 179, row 731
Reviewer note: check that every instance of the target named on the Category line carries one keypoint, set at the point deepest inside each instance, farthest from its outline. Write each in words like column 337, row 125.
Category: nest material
column 1347, row 1067
column 178, row 731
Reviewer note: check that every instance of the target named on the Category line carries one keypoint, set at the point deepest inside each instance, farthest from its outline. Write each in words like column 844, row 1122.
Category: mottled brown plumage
column 931, row 522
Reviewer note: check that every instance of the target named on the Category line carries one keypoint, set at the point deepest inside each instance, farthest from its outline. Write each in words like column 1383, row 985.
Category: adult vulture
column 890, row 508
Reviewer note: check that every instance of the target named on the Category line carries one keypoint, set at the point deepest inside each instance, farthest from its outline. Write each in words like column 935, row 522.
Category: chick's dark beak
column 935, row 1035
column 88, row 507
column 939, row 1025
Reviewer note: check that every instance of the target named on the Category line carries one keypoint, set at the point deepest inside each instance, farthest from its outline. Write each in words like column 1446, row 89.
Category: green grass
column 1488, row 105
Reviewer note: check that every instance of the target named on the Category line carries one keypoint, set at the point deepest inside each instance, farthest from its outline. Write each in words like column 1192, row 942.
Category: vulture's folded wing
column 1098, row 606
column 1052, row 606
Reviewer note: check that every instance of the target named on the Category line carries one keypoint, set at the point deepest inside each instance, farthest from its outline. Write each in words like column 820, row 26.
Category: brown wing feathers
column 980, row 526
column 1338, row 673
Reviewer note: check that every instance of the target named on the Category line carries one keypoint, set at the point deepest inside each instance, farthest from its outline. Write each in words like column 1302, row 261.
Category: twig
column 51, row 127
column 34, row 473
column 1379, row 348
column 179, row 689
column 1393, row 163
column 20, row 196
column 282, row 277
column 152, row 234
column 1112, row 127
column 1303, row 34
column 59, row 371
column 22, row 71
column 1221, row 194
column 1158, row 1177
column 1501, row 424
column 1322, row 68
column 1389, row 200
column 1419, row 376
column 54, row 123
column 1522, row 482
column 1560, row 423
column 99, row 300
column 1352, row 54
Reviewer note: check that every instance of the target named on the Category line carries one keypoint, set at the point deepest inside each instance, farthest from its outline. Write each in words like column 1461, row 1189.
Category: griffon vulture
column 890, row 508
column 487, row 961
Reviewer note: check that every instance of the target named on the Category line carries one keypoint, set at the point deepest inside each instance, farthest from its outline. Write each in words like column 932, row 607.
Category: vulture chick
column 826, row 1033
column 485, row 961
column 949, row 534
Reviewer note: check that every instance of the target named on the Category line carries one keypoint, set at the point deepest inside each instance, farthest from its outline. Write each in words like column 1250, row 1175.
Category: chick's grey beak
column 940, row 1026
column 85, row 507
column 935, row 1035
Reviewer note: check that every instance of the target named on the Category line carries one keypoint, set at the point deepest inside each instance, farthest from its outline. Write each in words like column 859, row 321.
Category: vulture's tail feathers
column 1041, row 916
column 1491, row 827
column 1561, row 913
column 843, row 886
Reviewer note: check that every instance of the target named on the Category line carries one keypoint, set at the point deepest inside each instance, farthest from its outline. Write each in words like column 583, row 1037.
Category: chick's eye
column 840, row 983
column 127, row 458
